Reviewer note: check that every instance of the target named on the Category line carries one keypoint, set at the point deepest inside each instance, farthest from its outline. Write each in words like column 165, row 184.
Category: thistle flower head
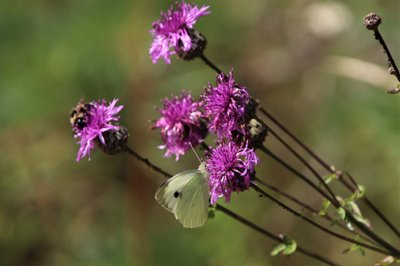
column 181, row 124
column 98, row 118
column 225, row 106
column 171, row 32
column 230, row 168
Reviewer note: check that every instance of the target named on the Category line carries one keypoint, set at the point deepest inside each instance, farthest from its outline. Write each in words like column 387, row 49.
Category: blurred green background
column 312, row 63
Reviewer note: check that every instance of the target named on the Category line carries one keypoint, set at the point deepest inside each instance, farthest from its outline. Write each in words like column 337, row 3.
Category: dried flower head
column 174, row 31
column 372, row 21
column 181, row 123
column 230, row 168
column 225, row 106
column 94, row 120
column 115, row 140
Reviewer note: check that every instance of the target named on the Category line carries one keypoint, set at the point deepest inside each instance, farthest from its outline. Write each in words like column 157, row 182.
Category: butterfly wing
column 192, row 206
column 167, row 194
column 186, row 196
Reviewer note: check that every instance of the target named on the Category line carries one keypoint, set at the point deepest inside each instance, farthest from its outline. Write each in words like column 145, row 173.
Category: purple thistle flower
column 230, row 168
column 225, row 106
column 181, row 124
column 98, row 118
column 171, row 31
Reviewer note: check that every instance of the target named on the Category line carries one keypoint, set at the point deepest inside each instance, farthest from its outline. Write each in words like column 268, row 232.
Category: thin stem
column 393, row 251
column 210, row 64
column 299, row 215
column 301, row 159
column 296, row 139
column 370, row 204
column 349, row 215
column 392, row 63
column 271, row 235
column 231, row 213
column 147, row 162
column 311, row 209
column 295, row 172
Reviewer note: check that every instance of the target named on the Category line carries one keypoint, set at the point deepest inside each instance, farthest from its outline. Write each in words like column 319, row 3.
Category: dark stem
column 295, row 172
column 272, row 236
column 294, row 212
column 392, row 63
column 231, row 213
column 147, row 162
column 297, row 140
column 327, row 167
column 369, row 203
column 349, row 215
column 301, row 159
column 311, row 209
column 210, row 64
column 394, row 251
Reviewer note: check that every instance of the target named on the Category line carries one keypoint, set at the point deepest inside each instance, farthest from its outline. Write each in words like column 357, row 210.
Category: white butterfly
column 186, row 196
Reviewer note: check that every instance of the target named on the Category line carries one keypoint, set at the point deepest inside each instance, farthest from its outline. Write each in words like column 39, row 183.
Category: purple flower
column 171, row 31
column 225, row 106
column 230, row 168
column 181, row 124
column 90, row 121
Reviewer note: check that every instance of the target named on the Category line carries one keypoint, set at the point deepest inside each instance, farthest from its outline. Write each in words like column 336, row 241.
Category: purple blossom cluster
column 225, row 106
column 230, row 168
column 171, row 32
column 182, row 124
column 90, row 121
column 230, row 165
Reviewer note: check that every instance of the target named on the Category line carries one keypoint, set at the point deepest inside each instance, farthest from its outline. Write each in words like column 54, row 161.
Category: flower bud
column 115, row 140
column 199, row 43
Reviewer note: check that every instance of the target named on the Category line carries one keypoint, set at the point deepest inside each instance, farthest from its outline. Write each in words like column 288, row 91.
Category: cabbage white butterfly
column 186, row 196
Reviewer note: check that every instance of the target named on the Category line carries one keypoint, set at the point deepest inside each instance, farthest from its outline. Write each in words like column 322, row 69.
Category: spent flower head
column 90, row 121
column 181, row 123
column 230, row 168
column 225, row 106
column 174, row 31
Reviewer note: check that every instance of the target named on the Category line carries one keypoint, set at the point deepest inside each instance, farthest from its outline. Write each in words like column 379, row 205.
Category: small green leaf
column 359, row 193
column 286, row 247
column 330, row 177
column 354, row 247
column 290, row 247
column 361, row 190
column 278, row 249
column 325, row 205
column 353, row 208
column 341, row 212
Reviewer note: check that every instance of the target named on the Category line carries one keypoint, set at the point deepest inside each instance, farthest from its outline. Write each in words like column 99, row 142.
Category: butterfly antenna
column 195, row 153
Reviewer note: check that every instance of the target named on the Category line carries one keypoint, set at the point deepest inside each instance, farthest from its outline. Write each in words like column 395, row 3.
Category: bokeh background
column 311, row 63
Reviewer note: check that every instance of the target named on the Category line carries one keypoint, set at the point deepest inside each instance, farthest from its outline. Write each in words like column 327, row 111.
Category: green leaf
column 325, row 205
column 353, row 208
column 354, row 247
column 286, row 247
column 361, row 190
column 359, row 193
column 341, row 212
column 290, row 247
column 278, row 249
column 330, row 177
